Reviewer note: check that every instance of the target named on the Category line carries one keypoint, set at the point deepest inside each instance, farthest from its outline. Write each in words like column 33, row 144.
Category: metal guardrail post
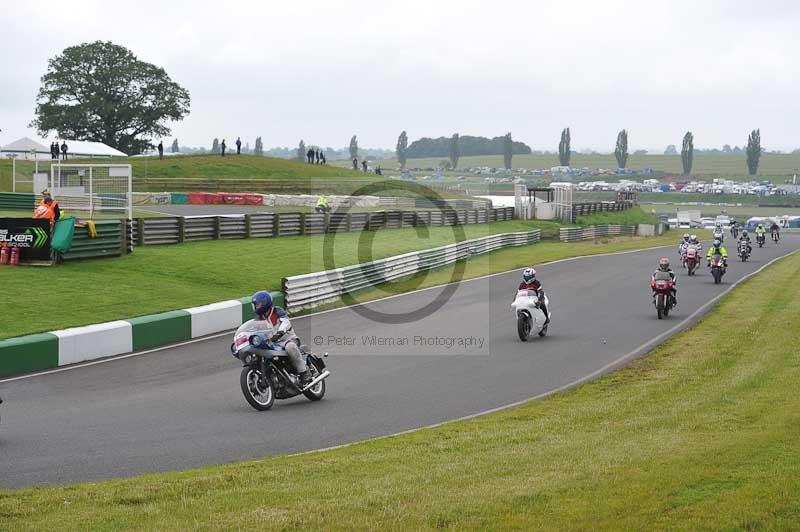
column 368, row 223
column 276, row 225
column 349, row 217
column 248, row 225
column 181, row 229
column 217, row 229
column 302, row 223
column 140, row 231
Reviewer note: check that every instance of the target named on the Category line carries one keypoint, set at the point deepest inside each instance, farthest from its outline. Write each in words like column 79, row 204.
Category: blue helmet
column 262, row 303
column 528, row 275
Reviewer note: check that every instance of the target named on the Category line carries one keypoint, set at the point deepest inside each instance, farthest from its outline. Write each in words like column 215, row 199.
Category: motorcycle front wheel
column 317, row 392
column 523, row 327
column 257, row 389
column 660, row 305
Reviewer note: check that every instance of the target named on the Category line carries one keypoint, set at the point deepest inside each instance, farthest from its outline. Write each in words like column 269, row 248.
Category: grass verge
column 702, row 434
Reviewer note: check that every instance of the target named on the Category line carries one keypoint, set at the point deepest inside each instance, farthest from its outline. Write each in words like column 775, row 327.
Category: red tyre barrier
column 197, row 198
column 213, row 199
column 231, row 198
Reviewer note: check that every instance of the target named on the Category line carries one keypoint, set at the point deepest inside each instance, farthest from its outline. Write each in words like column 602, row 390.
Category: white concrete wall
column 216, row 317
column 94, row 341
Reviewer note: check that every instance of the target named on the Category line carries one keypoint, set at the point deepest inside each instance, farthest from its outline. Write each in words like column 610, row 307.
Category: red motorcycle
column 718, row 268
column 691, row 259
column 662, row 285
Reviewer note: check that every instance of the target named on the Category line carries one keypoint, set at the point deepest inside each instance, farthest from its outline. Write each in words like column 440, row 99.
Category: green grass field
column 782, row 165
column 701, row 434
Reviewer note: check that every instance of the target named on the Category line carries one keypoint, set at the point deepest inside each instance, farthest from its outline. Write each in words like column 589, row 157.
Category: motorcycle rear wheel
column 523, row 327
column 257, row 389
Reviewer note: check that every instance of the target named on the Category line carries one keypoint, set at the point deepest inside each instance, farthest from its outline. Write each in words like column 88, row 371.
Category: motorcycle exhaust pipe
column 321, row 377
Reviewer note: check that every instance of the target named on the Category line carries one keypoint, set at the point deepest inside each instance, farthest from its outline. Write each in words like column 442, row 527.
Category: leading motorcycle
column 760, row 239
column 662, row 285
column 530, row 317
column 268, row 373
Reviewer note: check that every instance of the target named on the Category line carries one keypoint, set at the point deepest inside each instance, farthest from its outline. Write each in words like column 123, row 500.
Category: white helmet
column 686, row 236
column 693, row 238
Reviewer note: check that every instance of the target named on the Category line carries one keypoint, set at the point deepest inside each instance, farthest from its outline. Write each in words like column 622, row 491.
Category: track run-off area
column 181, row 407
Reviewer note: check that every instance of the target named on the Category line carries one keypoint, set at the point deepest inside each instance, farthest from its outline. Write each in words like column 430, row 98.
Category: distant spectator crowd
column 57, row 151
column 315, row 156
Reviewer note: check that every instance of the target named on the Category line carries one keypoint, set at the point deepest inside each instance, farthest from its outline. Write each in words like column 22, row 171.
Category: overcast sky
column 322, row 71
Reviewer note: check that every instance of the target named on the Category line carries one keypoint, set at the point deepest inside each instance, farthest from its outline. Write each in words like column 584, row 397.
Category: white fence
column 310, row 290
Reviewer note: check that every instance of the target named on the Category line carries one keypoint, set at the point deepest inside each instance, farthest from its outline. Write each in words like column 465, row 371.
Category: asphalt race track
column 182, row 407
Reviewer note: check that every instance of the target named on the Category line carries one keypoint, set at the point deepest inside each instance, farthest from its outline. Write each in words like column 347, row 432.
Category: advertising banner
column 32, row 237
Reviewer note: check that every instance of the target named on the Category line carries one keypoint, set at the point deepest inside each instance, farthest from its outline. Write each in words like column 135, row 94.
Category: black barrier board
column 32, row 237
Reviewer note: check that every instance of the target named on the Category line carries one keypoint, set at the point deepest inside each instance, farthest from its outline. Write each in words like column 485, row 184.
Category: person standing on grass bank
column 54, row 150
column 310, row 156
column 64, row 150
column 364, row 165
column 322, row 156
column 238, row 146
column 316, row 155
column 222, row 147
column 355, row 164
column 160, row 149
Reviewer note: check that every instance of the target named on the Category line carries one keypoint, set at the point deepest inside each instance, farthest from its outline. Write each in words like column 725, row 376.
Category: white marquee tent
column 27, row 148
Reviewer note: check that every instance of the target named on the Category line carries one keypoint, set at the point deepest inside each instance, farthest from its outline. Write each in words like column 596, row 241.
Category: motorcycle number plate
column 241, row 341
column 661, row 284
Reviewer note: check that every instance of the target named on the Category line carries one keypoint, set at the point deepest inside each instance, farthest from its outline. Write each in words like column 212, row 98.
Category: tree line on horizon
column 82, row 80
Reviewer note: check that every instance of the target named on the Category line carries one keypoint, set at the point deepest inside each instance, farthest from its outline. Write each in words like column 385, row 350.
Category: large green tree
column 102, row 92
column 259, row 147
column 354, row 148
column 301, row 151
column 564, row 151
column 402, row 149
column 175, row 148
column 508, row 150
column 455, row 151
column 621, row 151
column 215, row 145
column 687, row 153
column 753, row 151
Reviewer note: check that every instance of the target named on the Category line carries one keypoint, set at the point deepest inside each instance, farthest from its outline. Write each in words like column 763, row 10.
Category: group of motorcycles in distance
column 663, row 282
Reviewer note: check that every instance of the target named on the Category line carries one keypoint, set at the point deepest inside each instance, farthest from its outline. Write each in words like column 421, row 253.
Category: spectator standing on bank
column 310, row 156
column 222, row 147
column 64, row 150
column 355, row 164
column 54, row 150
column 238, row 146
column 322, row 157
column 160, row 149
column 364, row 165
column 316, row 155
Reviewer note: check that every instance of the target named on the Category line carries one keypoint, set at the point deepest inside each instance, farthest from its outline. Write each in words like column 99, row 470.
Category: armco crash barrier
column 575, row 234
column 37, row 352
column 310, row 290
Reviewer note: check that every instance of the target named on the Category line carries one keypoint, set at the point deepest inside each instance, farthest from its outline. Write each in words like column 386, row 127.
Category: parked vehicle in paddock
column 530, row 317
column 717, row 268
column 744, row 250
column 268, row 374
column 662, row 285
column 691, row 259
